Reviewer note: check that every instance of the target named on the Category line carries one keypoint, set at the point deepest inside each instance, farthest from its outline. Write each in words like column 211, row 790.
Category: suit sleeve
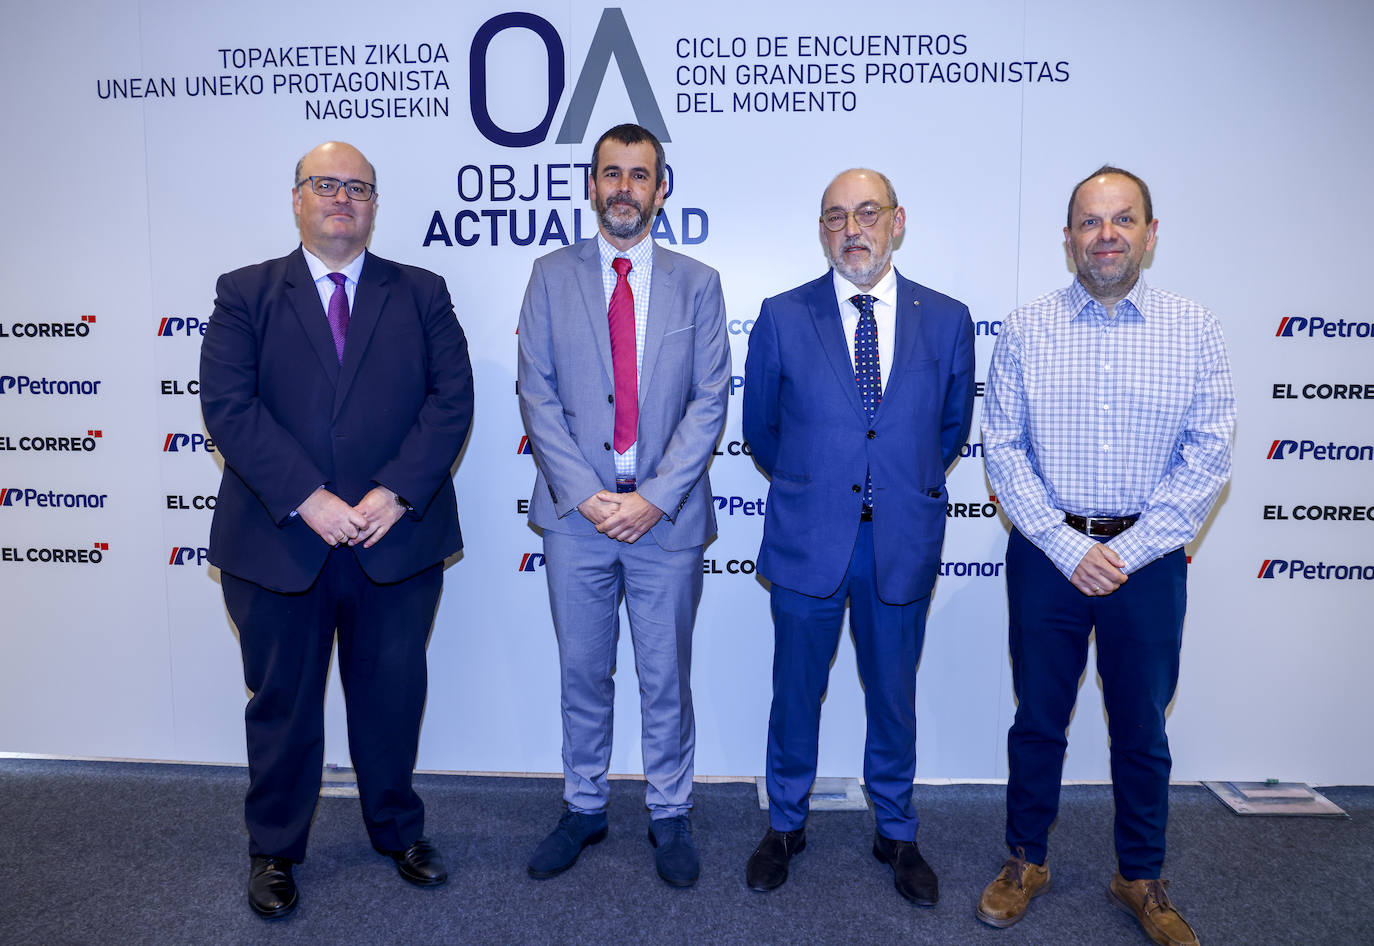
column 424, row 460
column 693, row 442
column 957, row 417
column 762, row 383
column 260, row 451
column 569, row 476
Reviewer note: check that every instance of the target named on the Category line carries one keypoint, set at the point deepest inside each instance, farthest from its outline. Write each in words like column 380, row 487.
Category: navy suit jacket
column 808, row 431
column 288, row 418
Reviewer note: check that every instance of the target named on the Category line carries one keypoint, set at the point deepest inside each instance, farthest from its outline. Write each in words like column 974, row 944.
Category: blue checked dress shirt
column 1109, row 417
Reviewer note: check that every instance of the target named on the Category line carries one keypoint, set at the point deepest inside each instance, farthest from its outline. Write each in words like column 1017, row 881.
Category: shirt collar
column 1080, row 301
column 319, row 269
column 640, row 255
column 884, row 291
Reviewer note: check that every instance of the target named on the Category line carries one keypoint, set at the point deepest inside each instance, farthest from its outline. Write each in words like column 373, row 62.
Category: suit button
column 857, row 488
column 610, row 398
column 606, row 445
column 872, row 434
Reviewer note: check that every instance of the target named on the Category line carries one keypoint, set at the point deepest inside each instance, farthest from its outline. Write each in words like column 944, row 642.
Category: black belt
column 866, row 514
column 1104, row 525
column 625, row 484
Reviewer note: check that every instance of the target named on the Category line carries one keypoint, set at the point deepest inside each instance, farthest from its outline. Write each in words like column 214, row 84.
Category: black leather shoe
column 911, row 875
column 767, row 867
column 271, row 889
column 421, row 864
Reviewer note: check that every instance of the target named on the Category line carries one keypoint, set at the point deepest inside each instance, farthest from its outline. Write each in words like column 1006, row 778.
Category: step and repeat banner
column 150, row 147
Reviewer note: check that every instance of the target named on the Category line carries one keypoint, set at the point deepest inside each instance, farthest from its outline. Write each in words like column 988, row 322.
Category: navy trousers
column 1139, row 632
column 887, row 645
column 286, row 641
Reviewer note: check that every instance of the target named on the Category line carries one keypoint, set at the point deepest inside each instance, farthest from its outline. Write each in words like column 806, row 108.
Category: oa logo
column 612, row 39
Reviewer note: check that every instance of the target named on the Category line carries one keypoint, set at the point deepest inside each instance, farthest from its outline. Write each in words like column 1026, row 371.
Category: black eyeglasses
column 329, row 186
column 835, row 220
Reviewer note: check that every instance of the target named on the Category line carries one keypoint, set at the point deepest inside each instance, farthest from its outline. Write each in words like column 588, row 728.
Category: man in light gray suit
column 623, row 377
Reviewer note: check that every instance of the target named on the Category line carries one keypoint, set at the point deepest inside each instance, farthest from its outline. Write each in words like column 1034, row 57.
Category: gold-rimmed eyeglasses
column 836, row 220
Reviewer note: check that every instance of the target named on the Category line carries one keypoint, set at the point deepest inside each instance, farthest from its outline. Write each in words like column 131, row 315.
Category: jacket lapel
column 825, row 314
column 305, row 300
column 907, row 329
column 661, row 299
column 368, row 301
column 594, row 301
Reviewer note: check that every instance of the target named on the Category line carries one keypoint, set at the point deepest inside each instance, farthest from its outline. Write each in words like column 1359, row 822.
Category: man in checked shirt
column 1107, row 431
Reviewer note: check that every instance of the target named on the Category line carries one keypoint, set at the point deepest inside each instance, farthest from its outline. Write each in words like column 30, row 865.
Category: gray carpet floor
column 123, row 853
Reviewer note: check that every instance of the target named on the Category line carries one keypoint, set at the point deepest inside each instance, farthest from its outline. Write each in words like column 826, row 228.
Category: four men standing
column 337, row 386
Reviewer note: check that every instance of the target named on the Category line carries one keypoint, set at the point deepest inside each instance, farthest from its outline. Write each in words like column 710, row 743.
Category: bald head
column 861, row 174
column 334, row 147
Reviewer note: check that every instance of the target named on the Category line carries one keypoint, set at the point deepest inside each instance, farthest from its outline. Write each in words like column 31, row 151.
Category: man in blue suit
column 624, row 370
column 338, row 389
column 858, row 396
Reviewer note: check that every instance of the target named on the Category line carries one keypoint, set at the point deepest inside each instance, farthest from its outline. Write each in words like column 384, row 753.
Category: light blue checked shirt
column 1109, row 417
column 641, row 257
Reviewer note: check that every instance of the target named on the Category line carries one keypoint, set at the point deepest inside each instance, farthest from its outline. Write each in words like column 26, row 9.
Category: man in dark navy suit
column 858, row 395
column 338, row 389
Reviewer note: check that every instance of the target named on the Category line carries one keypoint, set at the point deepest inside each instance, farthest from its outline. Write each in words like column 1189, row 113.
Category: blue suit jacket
column 808, row 431
column 566, row 383
column 288, row 418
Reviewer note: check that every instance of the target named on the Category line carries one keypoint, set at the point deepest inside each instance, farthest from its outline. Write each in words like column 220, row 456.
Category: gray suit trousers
column 587, row 576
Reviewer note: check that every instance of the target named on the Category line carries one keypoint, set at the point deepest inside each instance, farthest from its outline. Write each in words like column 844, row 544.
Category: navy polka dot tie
column 868, row 373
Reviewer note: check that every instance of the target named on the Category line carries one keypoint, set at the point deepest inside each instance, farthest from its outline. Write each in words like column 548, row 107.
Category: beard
column 620, row 227
column 865, row 277
column 1108, row 278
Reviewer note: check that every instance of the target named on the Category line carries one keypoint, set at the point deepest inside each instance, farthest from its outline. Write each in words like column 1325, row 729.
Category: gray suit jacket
column 566, row 383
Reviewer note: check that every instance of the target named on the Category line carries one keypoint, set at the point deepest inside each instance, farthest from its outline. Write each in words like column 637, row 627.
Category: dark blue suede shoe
column 557, row 852
column 675, row 855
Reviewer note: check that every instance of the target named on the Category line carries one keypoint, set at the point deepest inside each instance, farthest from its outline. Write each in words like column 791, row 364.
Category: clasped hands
column 1100, row 572
column 621, row 516
column 338, row 523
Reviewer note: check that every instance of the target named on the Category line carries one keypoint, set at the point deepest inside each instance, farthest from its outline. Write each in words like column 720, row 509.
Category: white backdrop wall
column 141, row 161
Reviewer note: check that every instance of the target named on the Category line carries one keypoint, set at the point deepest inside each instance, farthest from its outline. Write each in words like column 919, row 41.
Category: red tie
column 622, row 319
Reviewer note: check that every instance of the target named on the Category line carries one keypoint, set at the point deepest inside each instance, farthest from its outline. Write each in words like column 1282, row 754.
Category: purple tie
column 338, row 313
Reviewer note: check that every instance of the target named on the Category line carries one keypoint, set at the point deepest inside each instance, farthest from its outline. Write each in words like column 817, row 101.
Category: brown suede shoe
column 1148, row 901
column 1004, row 901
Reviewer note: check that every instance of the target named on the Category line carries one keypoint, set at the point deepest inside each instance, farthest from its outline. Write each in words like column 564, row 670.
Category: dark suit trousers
column 887, row 645
column 286, row 641
column 1139, row 633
